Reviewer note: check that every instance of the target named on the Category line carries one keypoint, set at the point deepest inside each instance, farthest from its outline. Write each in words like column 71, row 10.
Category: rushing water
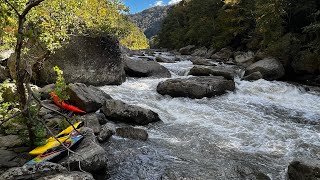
column 258, row 129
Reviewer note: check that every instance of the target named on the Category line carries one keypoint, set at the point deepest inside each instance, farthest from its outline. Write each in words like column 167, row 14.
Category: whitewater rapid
column 264, row 124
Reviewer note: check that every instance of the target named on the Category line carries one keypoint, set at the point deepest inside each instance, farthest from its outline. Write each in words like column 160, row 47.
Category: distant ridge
column 150, row 20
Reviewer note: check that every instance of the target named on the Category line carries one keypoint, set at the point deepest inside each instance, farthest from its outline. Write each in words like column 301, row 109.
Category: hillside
column 149, row 20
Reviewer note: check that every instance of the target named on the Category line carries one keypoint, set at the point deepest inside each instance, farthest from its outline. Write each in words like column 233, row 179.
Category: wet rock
column 10, row 141
column 226, row 72
column 46, row 90
column 300, row 171
column 4, row 73
column 6, row 159
column 89, row 99
column 253, row 76
column 196, row 87
column 187, row 50
column 164, row 59
column 244, row 58
column 200, row 52
column 92, row 121
column 119, row 111
column 270, row 68
column 33, row 171
column 140, row 68
column 204, row 62
column 74, row 175
column 101, row 118
column 106, row 132
column 223, row 54
column 132, row 133
column 86, row 59
column 210, row 52
column 92, row 156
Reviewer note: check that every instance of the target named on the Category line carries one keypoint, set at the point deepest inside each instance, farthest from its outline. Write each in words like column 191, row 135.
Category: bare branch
column 15, row 10
column 30, row 5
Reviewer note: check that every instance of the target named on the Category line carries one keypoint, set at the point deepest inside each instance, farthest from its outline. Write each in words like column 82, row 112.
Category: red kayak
column 64, row 105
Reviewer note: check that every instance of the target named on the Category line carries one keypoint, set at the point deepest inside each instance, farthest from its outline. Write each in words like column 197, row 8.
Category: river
column 252, row 133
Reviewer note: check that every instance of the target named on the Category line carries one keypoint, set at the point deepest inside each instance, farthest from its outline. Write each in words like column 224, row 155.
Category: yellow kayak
column 52, row 142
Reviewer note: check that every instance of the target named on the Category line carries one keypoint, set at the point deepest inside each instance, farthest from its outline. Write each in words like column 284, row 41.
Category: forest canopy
column 54, row 21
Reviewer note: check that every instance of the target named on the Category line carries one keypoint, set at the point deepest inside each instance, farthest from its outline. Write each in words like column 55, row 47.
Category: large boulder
column 89, row 60
column 196, row 87
column 141, row 68
column 10, row 141
column 89, row 99
column 270, row 68
column 132, row 133
column 200, row 52
column 301, row 171
column 244, row 58
column 253, row 76
column 10, row 159
column 226, row 72
column 90, row 154
column 165, row 59
column 224, row 54
column 188, row 50
column 74, row 175
column 35, row 171
column 119, row 111
column 92, row 121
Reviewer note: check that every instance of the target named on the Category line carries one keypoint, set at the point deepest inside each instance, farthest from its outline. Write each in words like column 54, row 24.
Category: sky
column 140, row 5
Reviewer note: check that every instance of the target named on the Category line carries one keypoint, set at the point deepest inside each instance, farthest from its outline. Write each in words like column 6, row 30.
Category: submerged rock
column 226, row 72
column 89, row 99
column 196, row 87
column 119, row 111
column 270, row 68
column 35, row 171
column 132, row 133
column 141, row 68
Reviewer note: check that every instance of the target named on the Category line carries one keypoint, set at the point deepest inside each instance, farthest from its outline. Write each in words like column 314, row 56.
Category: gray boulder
column 164, row 59
column 6, row 159
column 140, row 68
column 132, row 133
column 35, row 171
column 226, row 72
column 200, row 52
column 88, row 60
column 253, row 76
column 270, row 68
column 301, row 171
column 89, row 99
column 196, row 87
column 74, row 175
column 187, row 50
column 224, row 54
column 92, row 156
column 92, row 121
column 10, row 141
column 244, row 58
column 119, row 111
column 106, row 132
column 210, row 52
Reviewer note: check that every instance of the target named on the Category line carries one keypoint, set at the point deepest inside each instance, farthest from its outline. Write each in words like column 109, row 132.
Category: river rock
column 35, row 171
column 92, row 121
column 196, row 87
column 164, row 59
column 106, row 132
column 226, row 72
column 132, row 133
column 6, row 159
column 210, row 52
column 253, row 76
column 4, row 73
column 270, row 68
column 119, row 111
column 89, row 60
column 89, row 99
column 244, row 58
column 224, row 54
column 10, row 141
column 200, row 52
column 301, row 171
column 204, row 62
column 187, row 50
column 92, row 156
column 140, row 68
column 74, row 175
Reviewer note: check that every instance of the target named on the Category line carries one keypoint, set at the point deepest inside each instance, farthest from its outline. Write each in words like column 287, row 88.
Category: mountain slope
column 150, row 20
